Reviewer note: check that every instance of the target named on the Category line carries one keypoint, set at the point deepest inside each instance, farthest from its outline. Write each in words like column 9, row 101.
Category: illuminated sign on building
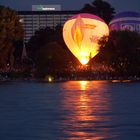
column 46, row 7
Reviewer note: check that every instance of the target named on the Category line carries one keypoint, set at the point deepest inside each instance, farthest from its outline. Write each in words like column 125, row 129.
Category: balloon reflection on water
column 86, row 108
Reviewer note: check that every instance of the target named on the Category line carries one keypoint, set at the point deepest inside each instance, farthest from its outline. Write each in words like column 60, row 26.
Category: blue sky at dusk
column 119, row 5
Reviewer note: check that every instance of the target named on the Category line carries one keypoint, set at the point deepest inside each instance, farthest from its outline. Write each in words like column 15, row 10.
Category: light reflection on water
column 73, row 110
column 87, row 109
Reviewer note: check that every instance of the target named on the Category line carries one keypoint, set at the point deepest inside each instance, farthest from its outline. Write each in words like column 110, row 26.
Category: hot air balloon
column 126, row 21
column 81, row 34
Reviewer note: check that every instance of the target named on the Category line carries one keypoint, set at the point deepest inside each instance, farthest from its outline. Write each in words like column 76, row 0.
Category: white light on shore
column 50, row 79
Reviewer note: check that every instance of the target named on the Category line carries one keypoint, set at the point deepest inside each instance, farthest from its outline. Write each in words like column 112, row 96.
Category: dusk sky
column 119, row 5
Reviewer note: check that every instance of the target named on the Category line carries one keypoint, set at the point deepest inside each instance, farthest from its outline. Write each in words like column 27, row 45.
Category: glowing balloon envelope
column 126, row 21
column 81, row 34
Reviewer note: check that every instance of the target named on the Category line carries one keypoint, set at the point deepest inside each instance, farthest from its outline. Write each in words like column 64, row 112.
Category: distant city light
column 50, row 79
column 21, row 20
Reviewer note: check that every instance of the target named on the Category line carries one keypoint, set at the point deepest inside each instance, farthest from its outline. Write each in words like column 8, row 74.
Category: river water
column 73, row 110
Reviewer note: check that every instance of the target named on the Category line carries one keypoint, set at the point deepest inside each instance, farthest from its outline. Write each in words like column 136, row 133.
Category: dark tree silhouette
column 104, row 10
column 10, row 32
column 49, row 52
column 121, row 52
column 41, row 37
column 88, row 8
column 101, row 8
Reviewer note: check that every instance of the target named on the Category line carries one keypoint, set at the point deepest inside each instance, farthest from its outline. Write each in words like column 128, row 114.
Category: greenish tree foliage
column 11, row 31
column 100, row 8
column 121, row 52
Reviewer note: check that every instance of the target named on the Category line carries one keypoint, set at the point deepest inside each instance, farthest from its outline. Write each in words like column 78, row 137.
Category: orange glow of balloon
column 81, row 34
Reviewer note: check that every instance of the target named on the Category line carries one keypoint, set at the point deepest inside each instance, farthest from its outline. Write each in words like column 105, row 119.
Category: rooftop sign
column 46, row 7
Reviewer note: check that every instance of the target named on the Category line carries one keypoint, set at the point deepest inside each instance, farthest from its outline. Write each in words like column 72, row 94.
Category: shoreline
column 113, row 80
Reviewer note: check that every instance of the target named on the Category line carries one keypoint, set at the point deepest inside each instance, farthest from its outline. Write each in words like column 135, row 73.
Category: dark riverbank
column 66, row 76
column 51, row 79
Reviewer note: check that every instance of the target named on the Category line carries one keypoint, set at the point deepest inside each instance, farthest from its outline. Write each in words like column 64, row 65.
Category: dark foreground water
column 74, row 110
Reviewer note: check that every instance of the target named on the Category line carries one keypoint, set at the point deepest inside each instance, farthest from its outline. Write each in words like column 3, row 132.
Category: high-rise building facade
column 35, row 20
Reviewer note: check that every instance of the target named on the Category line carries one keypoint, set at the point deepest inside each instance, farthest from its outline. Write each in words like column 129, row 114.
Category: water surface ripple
column 73, row 110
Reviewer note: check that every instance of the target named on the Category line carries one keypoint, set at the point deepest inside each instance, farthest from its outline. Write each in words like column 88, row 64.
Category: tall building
column 35, row 20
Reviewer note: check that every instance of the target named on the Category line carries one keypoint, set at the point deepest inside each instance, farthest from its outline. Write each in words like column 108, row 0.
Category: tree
column 88, row 8
column 10, row 32
column 121, row 52
column 100, row 8
column 39, row 40
column 49, row 52
column 55, row 60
